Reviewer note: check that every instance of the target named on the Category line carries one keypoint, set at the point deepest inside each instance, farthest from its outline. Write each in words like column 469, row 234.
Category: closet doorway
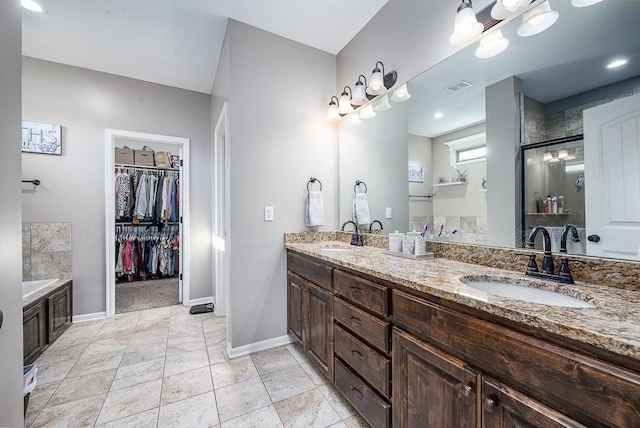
column 147, row 221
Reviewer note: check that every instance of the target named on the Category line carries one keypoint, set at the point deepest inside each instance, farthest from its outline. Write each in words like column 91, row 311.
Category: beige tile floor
column 166, row 368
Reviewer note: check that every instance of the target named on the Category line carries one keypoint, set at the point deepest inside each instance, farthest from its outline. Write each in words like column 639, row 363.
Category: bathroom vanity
column 410, row 345
column 46, row 314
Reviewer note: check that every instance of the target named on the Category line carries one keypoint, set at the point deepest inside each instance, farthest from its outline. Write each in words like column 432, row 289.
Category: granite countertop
column 613, row 325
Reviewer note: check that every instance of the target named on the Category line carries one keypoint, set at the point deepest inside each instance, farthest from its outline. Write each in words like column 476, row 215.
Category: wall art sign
column 416, row 174
column 41, row 138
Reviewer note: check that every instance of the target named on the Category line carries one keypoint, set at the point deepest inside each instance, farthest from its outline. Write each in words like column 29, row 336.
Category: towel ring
column 358, row 182
column 313, row 180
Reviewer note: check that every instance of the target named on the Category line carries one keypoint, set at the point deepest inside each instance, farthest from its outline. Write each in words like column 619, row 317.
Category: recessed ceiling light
column 617, row 63
column 31, row 5
column 438, row 115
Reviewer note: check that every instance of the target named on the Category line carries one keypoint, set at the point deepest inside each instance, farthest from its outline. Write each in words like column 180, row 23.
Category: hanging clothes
column 145, row 252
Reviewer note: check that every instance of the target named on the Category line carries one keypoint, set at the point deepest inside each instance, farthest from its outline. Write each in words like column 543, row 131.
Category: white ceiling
column 178, row 42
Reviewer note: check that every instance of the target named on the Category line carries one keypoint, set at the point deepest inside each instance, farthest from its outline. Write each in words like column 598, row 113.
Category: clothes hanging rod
column 155, row 168
column 34, row 182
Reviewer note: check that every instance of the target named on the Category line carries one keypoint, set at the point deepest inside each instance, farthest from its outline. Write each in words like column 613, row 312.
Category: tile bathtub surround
column 607, row 272
column 165, row 368
column 609, row 326
column 46, row 251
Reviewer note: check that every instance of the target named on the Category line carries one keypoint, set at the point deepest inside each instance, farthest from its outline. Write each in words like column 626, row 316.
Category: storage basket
column 144, row 157
column 124, row 155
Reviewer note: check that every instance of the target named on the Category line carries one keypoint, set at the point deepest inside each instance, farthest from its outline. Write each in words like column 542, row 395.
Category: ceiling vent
column 459, row 86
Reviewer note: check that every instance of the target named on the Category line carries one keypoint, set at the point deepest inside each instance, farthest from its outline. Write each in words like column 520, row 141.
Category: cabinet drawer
column 366, row 293
column 368, row 363
column 370, row 328
column 375, row 410
column 317, row 273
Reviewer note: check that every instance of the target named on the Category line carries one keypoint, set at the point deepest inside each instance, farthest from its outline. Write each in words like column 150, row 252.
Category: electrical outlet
column 388, row 212
column 268, row 213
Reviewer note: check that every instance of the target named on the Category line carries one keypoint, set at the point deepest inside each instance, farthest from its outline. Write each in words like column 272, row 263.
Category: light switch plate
column 388, row 212
column 268, row 213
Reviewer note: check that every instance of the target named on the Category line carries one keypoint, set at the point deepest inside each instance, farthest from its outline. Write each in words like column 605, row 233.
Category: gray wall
column 86, row 102
column 421, row 154
column 377, row 152
column 408, row 36
column 10, row 217
column 279, row 90
column 504, row 174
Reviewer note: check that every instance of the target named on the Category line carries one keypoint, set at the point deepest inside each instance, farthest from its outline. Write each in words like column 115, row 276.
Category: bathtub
column 30, row 287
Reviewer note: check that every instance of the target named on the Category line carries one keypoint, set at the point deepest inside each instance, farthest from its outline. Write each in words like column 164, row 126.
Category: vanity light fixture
column 514, row 5
column 353, row 119
column 382, row 104
column 617, row 63
column 438, row 115
column 332, row 112
column 359, row 94
column 466, row 26
column 538, row 19
column 584, row 3
column 367, row 112
column 492, row 44
column 344, row 104
column 401, row 93
column 31, row 5
column 505, row 9
column 379, row 81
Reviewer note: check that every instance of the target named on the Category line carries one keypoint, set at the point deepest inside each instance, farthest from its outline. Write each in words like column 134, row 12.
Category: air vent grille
column 459, row 86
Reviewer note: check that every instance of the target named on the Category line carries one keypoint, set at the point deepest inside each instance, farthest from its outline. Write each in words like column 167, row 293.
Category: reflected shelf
column 453, row 183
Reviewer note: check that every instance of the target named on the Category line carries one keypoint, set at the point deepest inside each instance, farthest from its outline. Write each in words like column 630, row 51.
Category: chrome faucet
column 356, row 238
column 574, row 236
column 371, row 225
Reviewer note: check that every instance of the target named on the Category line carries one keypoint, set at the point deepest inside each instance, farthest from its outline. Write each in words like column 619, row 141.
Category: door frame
column 111, row 137
column 221, row 215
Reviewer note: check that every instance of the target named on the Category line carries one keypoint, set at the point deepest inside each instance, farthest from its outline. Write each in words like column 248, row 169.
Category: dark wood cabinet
column 60, row 312
column 320, row 332
column 431, row 388
column 34, row 330
column 295, row 307
column 504, row 407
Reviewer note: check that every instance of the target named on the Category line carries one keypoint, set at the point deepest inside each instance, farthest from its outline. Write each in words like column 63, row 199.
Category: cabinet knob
column 593, row 238
column 489, row 404
column 467, row 390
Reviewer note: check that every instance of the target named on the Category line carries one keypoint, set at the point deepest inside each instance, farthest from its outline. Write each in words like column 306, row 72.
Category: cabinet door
column 504, row 407
column 34, row 330
column 431, row 388
column 295, row 307
column 320, row 330
column 59, row 312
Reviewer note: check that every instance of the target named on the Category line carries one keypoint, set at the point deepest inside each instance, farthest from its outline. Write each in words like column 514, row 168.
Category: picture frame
column 416, row 174
column 42, row 138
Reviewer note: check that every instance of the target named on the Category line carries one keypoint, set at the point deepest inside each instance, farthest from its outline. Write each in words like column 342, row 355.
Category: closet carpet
column 141, row 295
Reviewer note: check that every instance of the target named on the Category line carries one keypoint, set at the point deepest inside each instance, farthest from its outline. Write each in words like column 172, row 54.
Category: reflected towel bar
column 34, row 182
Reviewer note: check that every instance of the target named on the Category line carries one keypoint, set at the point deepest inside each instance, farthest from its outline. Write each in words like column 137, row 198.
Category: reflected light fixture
column 379, row 81
column 538, row 19
column 31, row 5
column 466, row 26
column 492, row 44
column 514, row 5
column 354, row 119
column 438, row 115
column 332, row 112
column 584, row 3
column 367, row 112
column 359, row 94
column 401, row 93
column 344, row 104
column 547, row 156
column 617, row 63
column 382, row 104
column 563, row 154
column 554, row 157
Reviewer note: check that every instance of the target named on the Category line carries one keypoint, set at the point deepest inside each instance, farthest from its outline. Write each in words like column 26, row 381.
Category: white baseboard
column 258, row 346
column 201, row 301
column 89, row 317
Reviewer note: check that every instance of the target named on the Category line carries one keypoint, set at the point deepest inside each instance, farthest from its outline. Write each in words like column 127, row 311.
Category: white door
column 612, row 178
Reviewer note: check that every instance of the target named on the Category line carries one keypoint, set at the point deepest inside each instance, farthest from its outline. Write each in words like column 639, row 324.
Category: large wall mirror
column 459, row 106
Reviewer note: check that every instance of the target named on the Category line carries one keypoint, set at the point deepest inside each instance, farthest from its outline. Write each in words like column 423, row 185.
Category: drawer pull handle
column 355, row 391
column 357, row 354
column 355, row 320
column 356, row 289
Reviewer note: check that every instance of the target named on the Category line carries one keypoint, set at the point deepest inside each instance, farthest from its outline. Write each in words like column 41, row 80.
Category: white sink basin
column 527, row 294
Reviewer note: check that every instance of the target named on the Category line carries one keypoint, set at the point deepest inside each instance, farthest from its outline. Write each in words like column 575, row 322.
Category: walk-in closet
column 147, row 242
